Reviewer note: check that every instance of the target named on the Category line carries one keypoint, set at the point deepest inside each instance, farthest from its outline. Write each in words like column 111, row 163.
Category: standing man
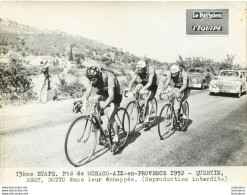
column 46, row 79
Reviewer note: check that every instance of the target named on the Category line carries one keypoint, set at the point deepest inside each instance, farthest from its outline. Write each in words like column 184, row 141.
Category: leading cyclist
column 108, row 91
column 146, row 78
column 181, row 81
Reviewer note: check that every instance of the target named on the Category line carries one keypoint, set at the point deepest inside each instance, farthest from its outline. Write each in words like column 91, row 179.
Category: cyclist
column 108, row 90
column 146, row 78
column 181, row 82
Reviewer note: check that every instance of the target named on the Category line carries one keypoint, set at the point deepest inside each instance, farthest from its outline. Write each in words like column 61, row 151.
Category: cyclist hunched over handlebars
column 146, row 78
column 181, row 84
column 109, row 92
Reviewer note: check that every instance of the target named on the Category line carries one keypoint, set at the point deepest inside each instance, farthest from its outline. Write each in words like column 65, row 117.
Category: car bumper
column 218, row 90
column 198, row 85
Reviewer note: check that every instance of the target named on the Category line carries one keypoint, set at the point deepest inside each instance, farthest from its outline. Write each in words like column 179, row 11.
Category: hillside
column 67, row 56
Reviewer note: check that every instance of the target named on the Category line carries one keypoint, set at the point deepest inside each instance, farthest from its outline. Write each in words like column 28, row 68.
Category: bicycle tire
column 184, row 120
column 133, row 114
column 123, row 120
column 78, row 136
column 166, row 122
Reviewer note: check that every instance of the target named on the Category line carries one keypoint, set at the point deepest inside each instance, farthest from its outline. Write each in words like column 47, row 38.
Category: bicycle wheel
column 184, row 116
column 165, row 126
column 133, row 114
column 80, row 141
column 123, row 121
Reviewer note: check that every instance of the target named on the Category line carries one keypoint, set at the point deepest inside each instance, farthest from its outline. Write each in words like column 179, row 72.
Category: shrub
column 15, row 82
column 74, row 89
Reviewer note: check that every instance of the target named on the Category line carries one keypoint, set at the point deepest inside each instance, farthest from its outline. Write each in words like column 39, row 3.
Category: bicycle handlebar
column 170, row 95
column 137, row 95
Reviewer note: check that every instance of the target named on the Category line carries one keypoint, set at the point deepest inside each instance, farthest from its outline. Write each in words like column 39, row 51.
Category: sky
column 154, row 29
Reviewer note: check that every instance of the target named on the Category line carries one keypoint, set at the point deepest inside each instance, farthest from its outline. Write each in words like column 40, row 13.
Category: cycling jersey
column 143, row 78
column 178, row 80
column 109, row 80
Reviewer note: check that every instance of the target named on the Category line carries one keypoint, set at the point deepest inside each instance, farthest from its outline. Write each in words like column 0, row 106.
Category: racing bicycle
column 85, row 131
column 138, row 113
column 170, row 120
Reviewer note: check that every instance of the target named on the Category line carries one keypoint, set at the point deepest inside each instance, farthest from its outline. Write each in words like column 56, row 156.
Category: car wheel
column 211, row 93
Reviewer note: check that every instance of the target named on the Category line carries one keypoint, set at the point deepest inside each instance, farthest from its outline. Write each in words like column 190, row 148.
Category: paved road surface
column 33, row 136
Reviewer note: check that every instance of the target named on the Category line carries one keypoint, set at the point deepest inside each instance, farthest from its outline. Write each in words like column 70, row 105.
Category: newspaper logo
column 207, row 21
column 206, row 15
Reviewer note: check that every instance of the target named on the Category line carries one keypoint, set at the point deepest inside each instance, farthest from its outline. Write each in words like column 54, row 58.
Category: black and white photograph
column 123, row 85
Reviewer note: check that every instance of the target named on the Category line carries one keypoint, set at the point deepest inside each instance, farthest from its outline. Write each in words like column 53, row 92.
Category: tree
column 71, row 53
column 181, row 62
column 228, row 62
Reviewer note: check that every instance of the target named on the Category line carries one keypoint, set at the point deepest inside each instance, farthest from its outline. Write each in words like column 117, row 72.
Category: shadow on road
column 131, row 139
column 170, row 128
column 227, row 95
column 188, row 124
column 98, row 153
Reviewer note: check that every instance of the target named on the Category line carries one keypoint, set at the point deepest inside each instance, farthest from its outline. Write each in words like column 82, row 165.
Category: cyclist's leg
column 111, row 113
column 184, row 98
column 150, row 97
column 148, row 100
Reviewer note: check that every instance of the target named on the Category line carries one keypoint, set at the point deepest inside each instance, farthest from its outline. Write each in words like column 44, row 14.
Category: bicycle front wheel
column 123, row 121
column 165, row 126
column 80, row 141
column 133, row 114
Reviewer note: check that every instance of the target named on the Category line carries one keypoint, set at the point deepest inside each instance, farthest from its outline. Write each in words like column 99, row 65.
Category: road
column 33, row 136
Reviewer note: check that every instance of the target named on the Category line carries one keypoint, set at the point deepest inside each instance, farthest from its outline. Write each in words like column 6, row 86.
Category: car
column 229, row 81
column 199, row 77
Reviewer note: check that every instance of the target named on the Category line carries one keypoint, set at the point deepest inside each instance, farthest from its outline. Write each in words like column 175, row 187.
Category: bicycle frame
column 95, row 117
column 138, row 97
column 171, row 97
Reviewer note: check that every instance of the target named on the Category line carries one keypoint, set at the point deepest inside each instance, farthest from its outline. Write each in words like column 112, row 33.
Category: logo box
column 207, row 21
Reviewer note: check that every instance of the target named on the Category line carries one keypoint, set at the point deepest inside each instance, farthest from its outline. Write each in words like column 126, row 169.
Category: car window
column 199, row 70
column 229, row 73
column 191, row 70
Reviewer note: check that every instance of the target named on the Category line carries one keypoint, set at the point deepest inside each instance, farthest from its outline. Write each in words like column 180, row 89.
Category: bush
column 15, row 82
column 74, row 90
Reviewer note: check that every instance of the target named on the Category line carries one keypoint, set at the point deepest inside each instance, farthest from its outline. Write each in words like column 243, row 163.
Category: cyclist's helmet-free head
column 174, row 69
column 93, row 74
column 141, row 66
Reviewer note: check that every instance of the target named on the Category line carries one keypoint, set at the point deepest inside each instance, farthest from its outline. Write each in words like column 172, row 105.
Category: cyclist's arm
column 185, row 82
column 88, row 92
column 166, row 83
column 151, row 76
column 111, row 85
column 132, row 81
column 150, row 81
